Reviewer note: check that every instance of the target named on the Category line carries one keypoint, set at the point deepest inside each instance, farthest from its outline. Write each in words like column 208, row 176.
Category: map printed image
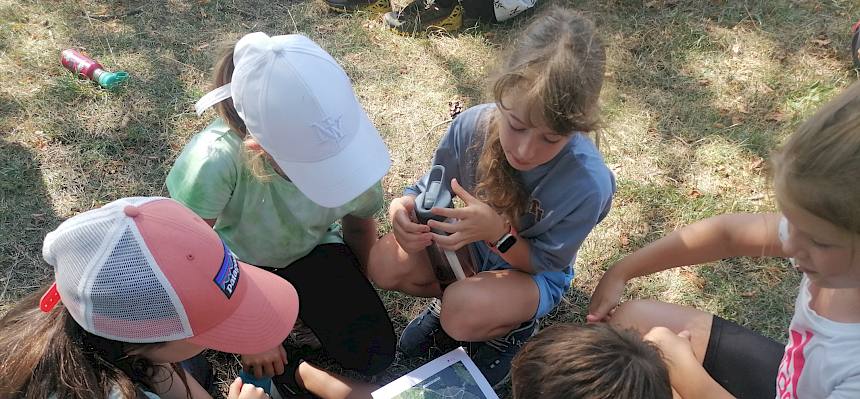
column 453, row 382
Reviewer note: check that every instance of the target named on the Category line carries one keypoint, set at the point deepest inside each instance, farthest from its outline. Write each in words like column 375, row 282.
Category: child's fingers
column 457, row 213
column 278, row 368
column 269, row 369
column 452, row 242
column 461, row 192
column 444, row 226
column 403, row 221
column 283, row 353
column 235, row 388
column 250, row 391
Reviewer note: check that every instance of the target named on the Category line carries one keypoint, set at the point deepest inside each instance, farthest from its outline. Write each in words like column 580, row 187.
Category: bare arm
column 712, row 239
column 708, row 240
column 688, row 378
column 360, row 235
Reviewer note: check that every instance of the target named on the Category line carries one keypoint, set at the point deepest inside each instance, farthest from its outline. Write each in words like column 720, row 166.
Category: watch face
column 506, row 243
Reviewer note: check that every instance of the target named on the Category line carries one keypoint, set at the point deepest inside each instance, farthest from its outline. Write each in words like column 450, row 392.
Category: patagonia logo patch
column 228, row 275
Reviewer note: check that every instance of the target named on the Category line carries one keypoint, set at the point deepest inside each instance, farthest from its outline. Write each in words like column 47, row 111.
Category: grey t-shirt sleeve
column 556, row 249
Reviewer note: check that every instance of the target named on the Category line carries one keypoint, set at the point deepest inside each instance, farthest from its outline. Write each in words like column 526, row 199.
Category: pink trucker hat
column 147, row 269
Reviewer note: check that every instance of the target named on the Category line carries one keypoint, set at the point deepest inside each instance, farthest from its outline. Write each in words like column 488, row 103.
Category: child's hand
column 477, row 222
column 238, row 390
column 266, row 364
column 411, row 236
column 676, row 349
column 606, row 297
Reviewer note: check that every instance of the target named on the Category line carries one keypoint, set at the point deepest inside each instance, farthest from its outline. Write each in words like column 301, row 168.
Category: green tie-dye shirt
column 266, row 223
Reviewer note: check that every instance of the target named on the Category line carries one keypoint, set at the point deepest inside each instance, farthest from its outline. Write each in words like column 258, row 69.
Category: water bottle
column 89, row 68
column 448, row 266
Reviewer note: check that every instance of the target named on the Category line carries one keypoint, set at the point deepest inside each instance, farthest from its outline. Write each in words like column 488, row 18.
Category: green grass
column 697, row 93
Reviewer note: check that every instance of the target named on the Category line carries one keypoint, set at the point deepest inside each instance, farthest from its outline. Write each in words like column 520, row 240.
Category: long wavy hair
column 44, row 354
column 557, row 65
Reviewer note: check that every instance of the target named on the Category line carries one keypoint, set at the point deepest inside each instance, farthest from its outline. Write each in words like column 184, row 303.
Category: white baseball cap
column 299, row 105
column 147, row 269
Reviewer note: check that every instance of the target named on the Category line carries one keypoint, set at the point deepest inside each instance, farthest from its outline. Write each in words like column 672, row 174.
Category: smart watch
column 507, row 241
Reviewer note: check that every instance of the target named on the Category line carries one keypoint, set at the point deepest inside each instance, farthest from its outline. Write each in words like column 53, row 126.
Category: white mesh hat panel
column 108, row 280
column 129, row 300
column 76, row 250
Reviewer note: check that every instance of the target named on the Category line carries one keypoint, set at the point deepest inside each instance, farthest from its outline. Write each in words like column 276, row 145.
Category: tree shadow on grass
column 26, row 216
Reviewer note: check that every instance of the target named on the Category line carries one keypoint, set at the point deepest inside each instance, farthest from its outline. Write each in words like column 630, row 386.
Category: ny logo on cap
column 329, row 129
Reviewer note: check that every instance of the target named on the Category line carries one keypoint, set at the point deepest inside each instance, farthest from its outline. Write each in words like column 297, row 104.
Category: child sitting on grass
column 816, row 176
column 534, row 186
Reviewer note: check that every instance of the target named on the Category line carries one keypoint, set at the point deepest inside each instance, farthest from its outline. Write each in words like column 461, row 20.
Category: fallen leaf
column 625, row 241
column 719, row 125
column 748, row 294
column 756, row 163
column 704, row 82
column 822, row 41
column 776, row 116
column 737, row 120
column 455, row 107
column 694, row 193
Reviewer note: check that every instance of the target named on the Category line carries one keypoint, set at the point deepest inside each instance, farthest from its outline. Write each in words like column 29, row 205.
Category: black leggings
column 341, row 307
column 744, row 362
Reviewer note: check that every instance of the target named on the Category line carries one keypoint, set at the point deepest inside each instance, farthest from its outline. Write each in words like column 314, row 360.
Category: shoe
column 302, row 336
column 422, row 16
column 494, row 357
column 855, row 44
column 420, row 334
column 347, row 6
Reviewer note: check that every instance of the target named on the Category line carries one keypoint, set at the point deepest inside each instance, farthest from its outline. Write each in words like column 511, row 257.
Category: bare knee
column 382, row 266
column 465, row 314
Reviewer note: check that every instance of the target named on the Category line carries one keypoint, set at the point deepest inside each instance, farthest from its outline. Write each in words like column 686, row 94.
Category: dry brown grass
column 697, row 94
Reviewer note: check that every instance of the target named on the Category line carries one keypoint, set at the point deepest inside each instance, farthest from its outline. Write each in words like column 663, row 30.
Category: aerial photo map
column 452, row 382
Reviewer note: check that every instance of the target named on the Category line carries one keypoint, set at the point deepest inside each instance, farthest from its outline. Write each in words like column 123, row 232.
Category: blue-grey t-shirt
column 569, row 195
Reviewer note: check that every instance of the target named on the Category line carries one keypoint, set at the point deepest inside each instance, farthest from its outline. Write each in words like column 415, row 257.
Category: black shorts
column 744, row 362
column 341, row 307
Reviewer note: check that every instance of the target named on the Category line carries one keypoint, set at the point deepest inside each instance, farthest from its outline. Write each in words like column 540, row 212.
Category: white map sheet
column 451, row 376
